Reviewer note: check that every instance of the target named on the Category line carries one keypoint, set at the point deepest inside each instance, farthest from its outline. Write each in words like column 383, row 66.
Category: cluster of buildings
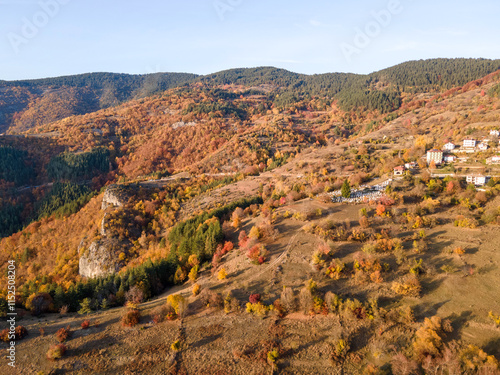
column 447, row 155
column 469, row 145
column 401, row 169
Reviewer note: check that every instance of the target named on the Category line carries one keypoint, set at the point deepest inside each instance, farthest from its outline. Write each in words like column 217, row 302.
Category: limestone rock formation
column 115, row 196
column 101, row 259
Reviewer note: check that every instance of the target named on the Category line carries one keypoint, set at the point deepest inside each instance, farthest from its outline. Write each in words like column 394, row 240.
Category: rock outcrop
column 101, row 259
column 115, row 196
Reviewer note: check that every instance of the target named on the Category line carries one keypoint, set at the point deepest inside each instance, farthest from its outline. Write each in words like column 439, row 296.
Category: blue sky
column 206, row 36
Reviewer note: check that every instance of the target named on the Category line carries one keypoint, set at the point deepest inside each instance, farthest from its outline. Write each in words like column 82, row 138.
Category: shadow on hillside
column 426, row 310
column 493, row 347
column 205, row 341
column 486, row 269
column 92, row 346
column 429, row 286
column 459, row 321
column 360, row 338
column 471, row 250
column 311, row 343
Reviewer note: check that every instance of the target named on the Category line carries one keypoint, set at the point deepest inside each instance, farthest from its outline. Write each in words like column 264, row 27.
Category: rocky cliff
column 102, row 257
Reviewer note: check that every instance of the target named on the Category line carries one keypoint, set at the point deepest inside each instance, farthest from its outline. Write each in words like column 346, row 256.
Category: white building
column 495, row 133
column 399, row 170
column 476, row 179
column 449, row 158
column 435, row 156
column 493, row 160
column 411, row 165
column 449, row 146
column 469, row 143
column 483, row 146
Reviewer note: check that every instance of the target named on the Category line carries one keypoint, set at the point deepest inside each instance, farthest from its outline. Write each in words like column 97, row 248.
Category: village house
column 469, row 143
column 435, row 156
column 495, row 133
column 476, row 179
column 399, row 170
column 449, row 146
column 449, row 158
column 483, row 146
column 493, row 160
column 411, row 165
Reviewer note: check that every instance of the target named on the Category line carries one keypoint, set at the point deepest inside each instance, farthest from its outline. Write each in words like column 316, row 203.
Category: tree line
column 73, row 167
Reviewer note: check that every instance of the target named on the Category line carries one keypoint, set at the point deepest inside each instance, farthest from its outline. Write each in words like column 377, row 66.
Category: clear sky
column 60, row 37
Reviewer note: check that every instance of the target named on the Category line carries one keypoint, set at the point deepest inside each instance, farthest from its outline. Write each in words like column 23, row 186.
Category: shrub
column 408, row 286
column 257, row 254
column 242, row 239
column 419, row 246
column 134, row 296
column 279, row 309
column 196, row 289
column 369, row 248
column 177, row 302
column 211, row 299
column 317, row 259
column 159, row 314
column 464, row 222
column 180, row 275
column 63, row 334
column 429, row 337
column 85, row 324
column 306, row 300
column 311, row 286
column 333, row 302
column 64, row 310
column 272, row 356
column 56, row 352
column 475, row 359
column 401, row 365
column 231, row 303
column 193, row 260
column 254, row 233
column 340, row 349
column 222, row 274
column 4, row 335
column 176, row 346
column 254, row 298
column 40, row 303
column 131, row 318
column 287, row 299
column 495, row 318
column 416, row 268
column 20, row 332
column 193, row 274
column 258, row 309
column 364, row 222
column 336, row 269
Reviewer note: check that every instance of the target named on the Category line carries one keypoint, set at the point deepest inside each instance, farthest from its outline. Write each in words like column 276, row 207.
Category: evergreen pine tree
column 85, row 306
column 346, row 189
